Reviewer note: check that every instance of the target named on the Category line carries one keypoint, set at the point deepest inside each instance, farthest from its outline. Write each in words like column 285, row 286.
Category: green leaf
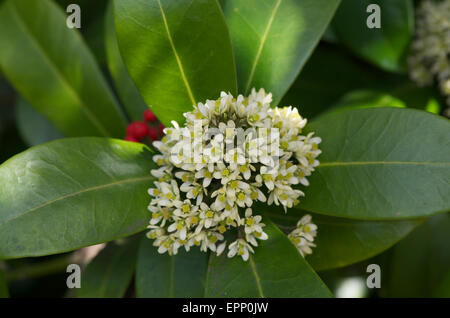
column 71, row 193
column 272, row 39
column 110, row 272
column 366, row 99
column 33, row 126
column 386, row 47
column 380, row 163
column 402, row 96
column 443, row 290
column 50, row 65
column 132, row 100
column 161, row 275
column 329, row 74
column 418, row 265
column 275, row 270
column 3, row 286
column 341, row 242
column 413, row 96
column 178, row 52
column 315, row 91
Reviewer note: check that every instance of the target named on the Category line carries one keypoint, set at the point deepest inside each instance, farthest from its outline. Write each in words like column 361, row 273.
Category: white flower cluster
column 230, row 153
column 303, row 235
column 430, row 55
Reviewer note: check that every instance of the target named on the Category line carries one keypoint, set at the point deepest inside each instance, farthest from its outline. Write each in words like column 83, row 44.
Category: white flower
column 155, row 231
column 206, row 175
column 253, row 228
column 221, row 199
column 235, row 188
column 193, row 191
column 243, row 198
column 167, row 243
column 285, row 195
column 224, row 173
column 256, row 193
column 159, row 214
column 308, row 229
column 206, row 240
column 303, row 235
column 241, row 248
column 185, row 176
column 230, row 153
column 163, row 174
column 221, row 248
column 208, row 218
column 288, row 119
column 260, row 98
column 235, row 158
column 303, row 245
column 246, row 170
column 167, row 194
column 184, row 208
column 430, row 50
column 231, row 215
column 161, row 160
column 267, row 176
column 180, row 228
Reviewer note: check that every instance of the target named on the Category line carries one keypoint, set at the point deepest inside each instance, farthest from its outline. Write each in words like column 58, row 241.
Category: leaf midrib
column 58, row 74
column 261, row 45
column 349, row 223
column 374, row 163
column 257, row 278
column 171, row 277
column 70, row 195
column 180, row 65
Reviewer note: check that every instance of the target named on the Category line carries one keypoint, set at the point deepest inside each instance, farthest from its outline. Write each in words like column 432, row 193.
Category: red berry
column 153, row 133
column 131, row 138
column 137, row 129
column 149, row 116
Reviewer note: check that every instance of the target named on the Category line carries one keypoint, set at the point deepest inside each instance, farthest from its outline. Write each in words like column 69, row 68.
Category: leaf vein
column 261, row 45
column 103, row 186
column 180, row 65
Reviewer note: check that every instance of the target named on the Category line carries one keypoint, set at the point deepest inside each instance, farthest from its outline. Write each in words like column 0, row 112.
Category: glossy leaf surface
column 72, row 193
column 380, row 163
column 272, row 39
column 50, row 65
column 177, row 52
column 275, row 270
column 161, row 275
